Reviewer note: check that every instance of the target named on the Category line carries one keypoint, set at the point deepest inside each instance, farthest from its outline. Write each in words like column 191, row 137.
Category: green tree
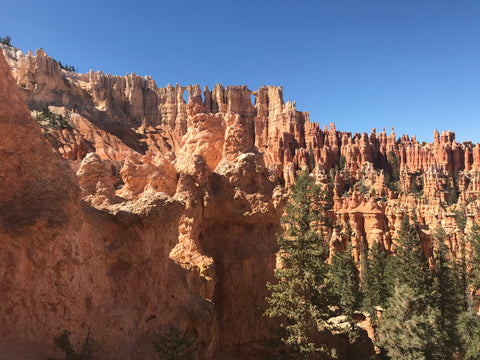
column 301, row 298
column 49, row 120
column 394, row 166
column 344, row 281
column 409, row 281
column 468, row 327
column 394, row 174
column 417, row 185
column 462, row 270
column 365, row 281
column 474, row 257
column 468, row 324
column 447, row 299
column 348, row 180
column 461, row 218
column 452, row 195
column 406, row 327
column 311, row 158
column 409, row 266
column 377, row 264
column 174, row 344
column 341, row 162
column 6, row 40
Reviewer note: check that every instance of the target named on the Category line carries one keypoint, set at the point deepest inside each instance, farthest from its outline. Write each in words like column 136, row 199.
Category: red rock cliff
column 67, row 265
column 110, row 251
column 181, row 201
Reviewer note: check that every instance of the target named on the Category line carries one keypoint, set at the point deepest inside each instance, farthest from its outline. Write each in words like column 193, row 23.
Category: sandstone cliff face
column 101, row 270
column 172, row 214
column 122, row 259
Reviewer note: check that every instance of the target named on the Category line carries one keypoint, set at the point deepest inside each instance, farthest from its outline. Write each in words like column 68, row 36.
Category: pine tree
column 374, row 289
column 462, row 270
column 311, row 158
column 474, row 257
column 468, row 323
column 7, row 40
column 377, row 264
column 365, row 280
column 409, row 320
column 175, row 345
column 341, row 162
column 447, row 299
column 406, row 327
column 394, row 175
column 344, row 281
column 468, row 327
column 409, row 266
column 452, row 195
column 301, row 298
column 394, row 165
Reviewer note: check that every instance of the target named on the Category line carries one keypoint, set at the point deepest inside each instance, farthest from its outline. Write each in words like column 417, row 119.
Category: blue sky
column 414, row 65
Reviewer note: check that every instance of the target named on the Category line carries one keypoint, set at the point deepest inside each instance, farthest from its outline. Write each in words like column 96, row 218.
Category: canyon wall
column 134, row 229
column 68, row 265
column 145, row 210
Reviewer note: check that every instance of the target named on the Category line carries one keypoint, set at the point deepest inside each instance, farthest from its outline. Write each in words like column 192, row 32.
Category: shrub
column 175, row 345
column 50, row 121
column 6, row 40
column 64, row 344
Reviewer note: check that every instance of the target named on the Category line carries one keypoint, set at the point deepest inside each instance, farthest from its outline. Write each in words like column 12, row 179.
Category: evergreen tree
column 409, row 266
column 7, row 40
column 348, row 180
column 447, row 299
column 311, row 158
column 341, row 162
column 175, row 345
column 374, row 289
column 461, row 218
column 409, row 320
column 365, row 281
column 301, row 298
column 468, row 324
column 394, row 165
column 377, row 264
column 344, row 281
column 462, row 270
column 468, row 327
column 461, row 263
column 452, row 195
column 474, row 257
column 394, row 175
column 406, row 327
column 391, row 276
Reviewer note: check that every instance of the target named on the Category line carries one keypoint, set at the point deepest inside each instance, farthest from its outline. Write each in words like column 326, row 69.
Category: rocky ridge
column 194, row 192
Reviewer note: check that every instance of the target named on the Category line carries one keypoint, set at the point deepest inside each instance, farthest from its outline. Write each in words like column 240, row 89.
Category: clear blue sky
column 414, row 65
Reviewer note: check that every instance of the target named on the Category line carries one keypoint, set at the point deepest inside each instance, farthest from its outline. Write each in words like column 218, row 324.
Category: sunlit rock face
column 97, row 266
column 149, row 210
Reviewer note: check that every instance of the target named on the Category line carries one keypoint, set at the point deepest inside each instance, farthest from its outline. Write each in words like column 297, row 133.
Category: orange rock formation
column 173, row 211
